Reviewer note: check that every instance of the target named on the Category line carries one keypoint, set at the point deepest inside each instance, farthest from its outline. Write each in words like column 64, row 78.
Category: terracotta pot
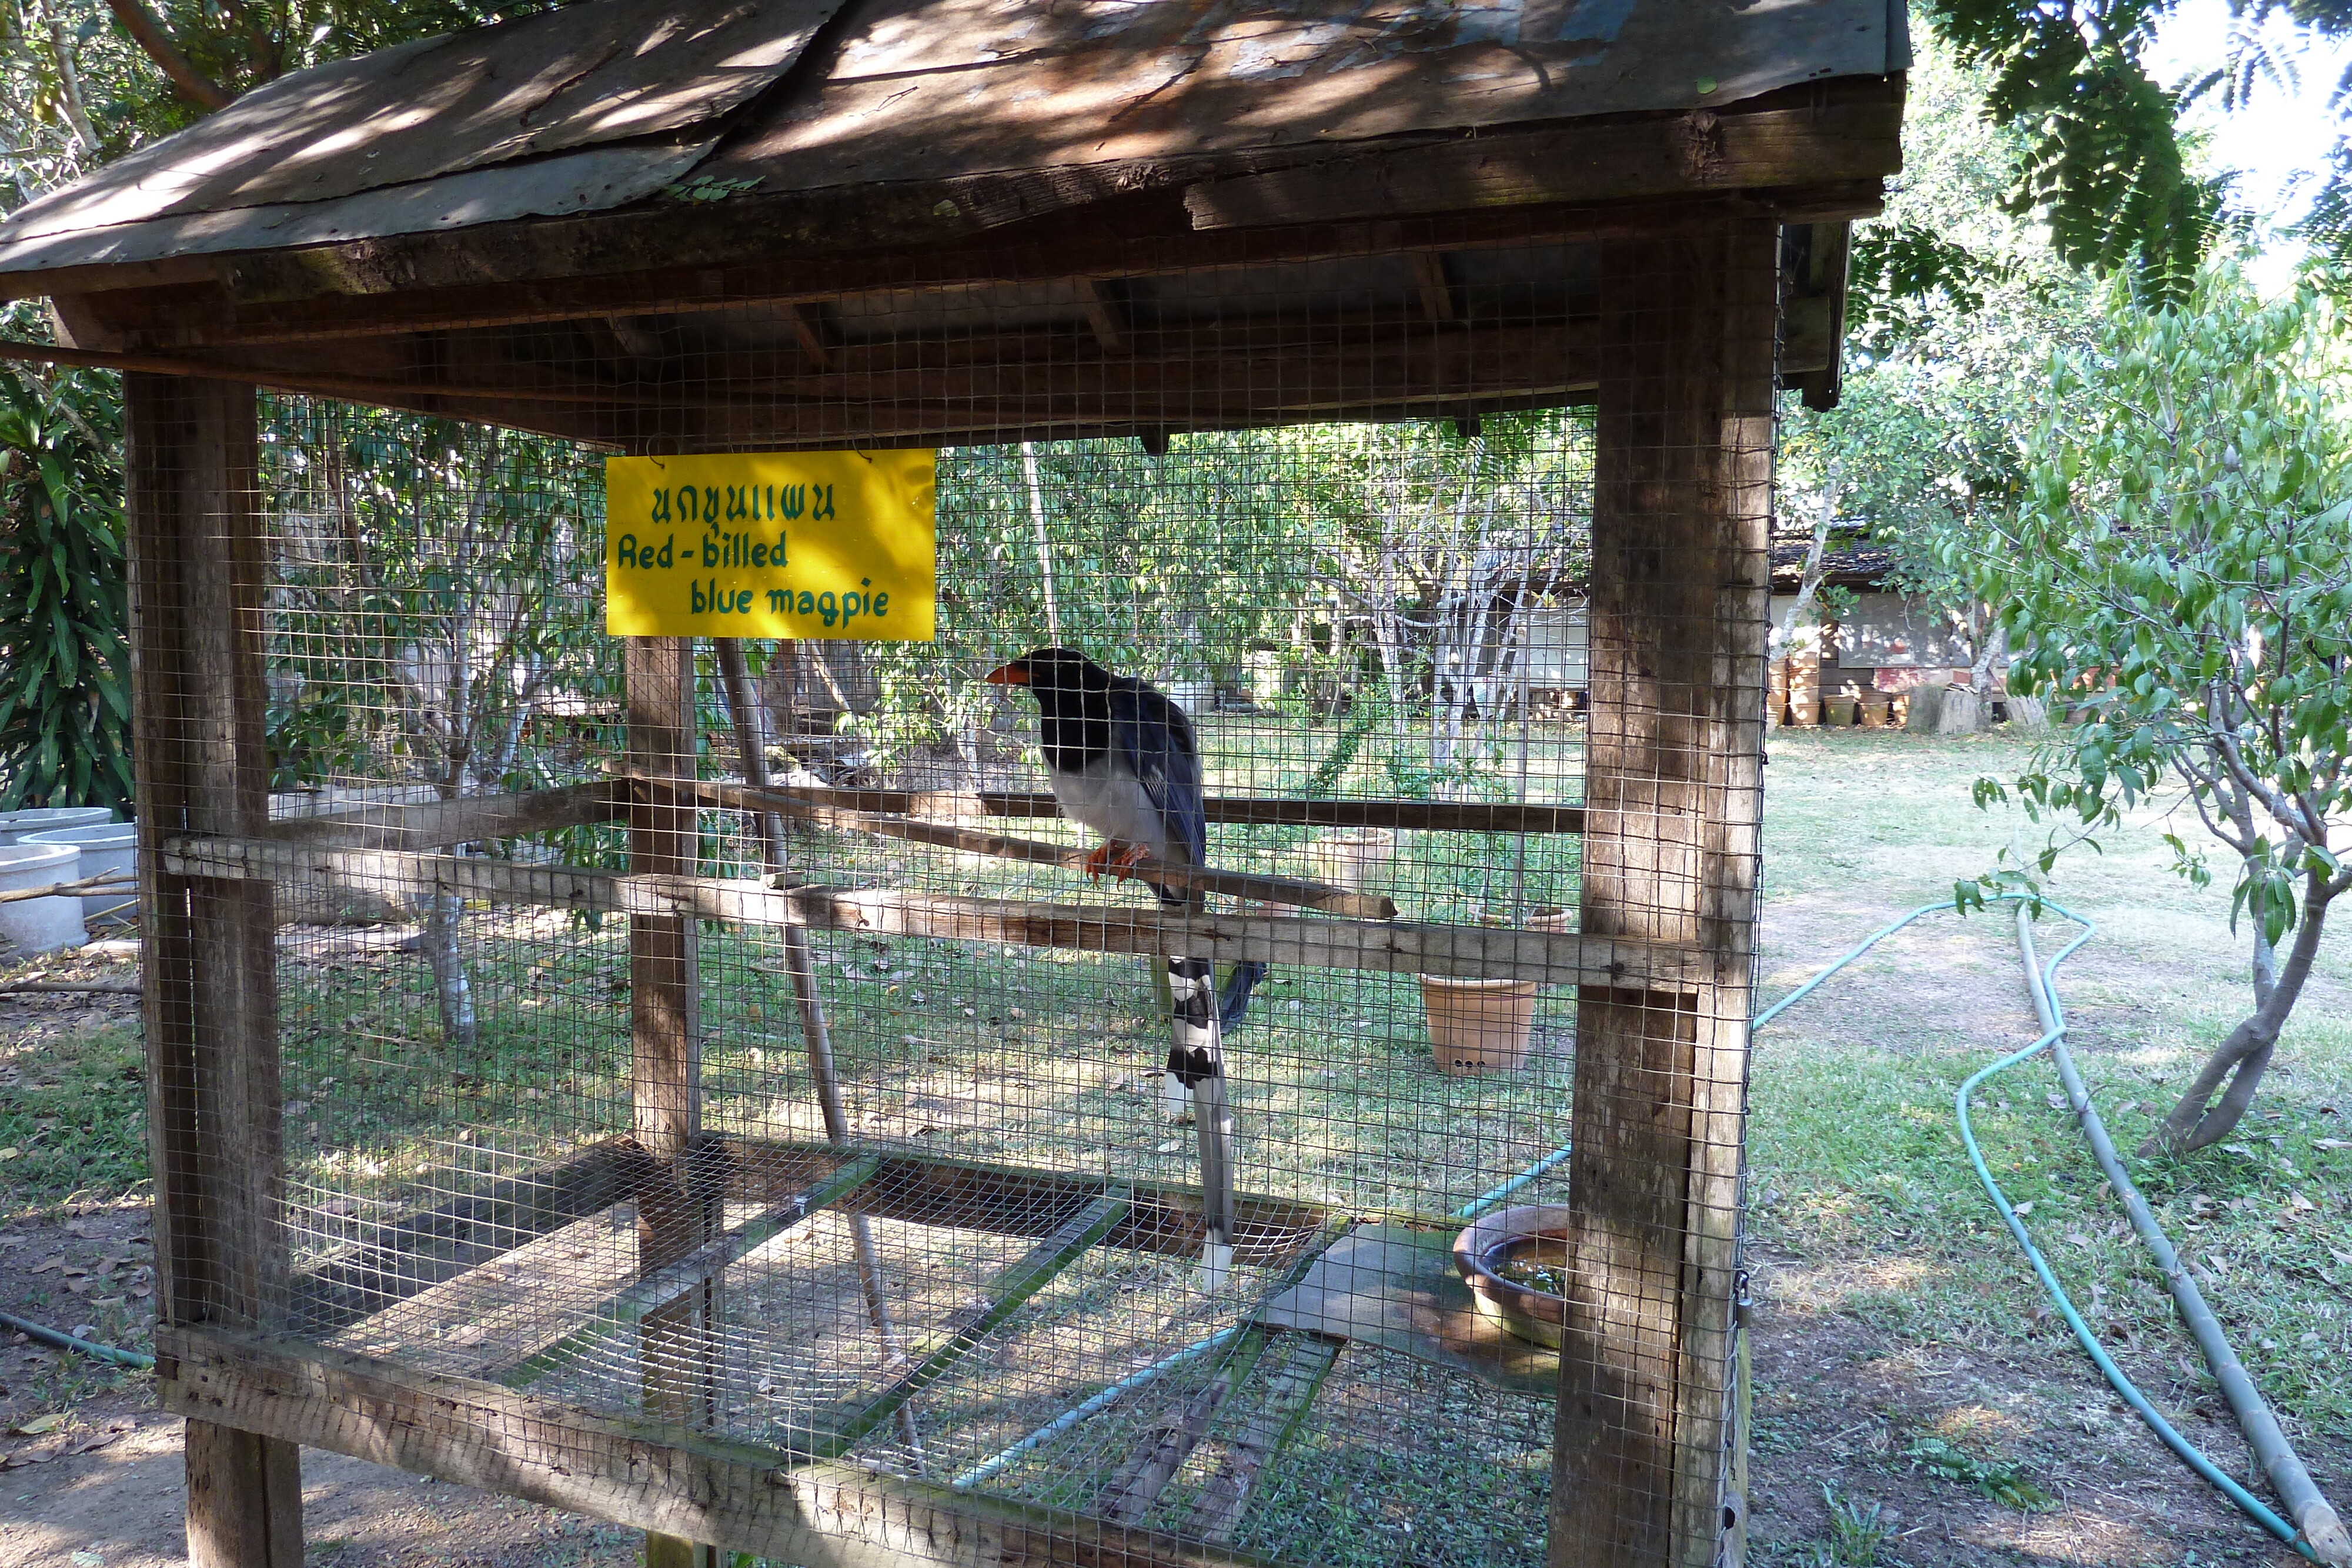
column 1838, row 712
column 1538, row 1316
column 1350, row 857
column 1479, row 1026
column 1804, row 690
column 1776, row 695
column 1874, row 712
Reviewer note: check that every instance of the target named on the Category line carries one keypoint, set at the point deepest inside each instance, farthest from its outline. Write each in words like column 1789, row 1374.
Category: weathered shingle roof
column 605, row 103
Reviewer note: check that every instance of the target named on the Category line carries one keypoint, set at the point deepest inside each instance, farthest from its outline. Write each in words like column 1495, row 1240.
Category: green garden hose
column 2322, row 1538
column 57, row 1339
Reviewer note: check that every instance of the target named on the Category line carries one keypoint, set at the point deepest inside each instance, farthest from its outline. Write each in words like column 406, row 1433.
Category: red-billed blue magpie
column 1122, row 760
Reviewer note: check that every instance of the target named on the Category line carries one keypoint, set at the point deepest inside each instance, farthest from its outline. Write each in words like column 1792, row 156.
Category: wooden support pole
column 683, row 1212
column 1681, row 504
column 208, row 969
column 800, row 964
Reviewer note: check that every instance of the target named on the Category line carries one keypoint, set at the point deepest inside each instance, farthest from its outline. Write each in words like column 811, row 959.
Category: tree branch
column 156, row 44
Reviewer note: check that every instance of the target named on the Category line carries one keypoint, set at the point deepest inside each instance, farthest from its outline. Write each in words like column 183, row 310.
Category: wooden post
column 210, row 999
column 1681, row 507
column 674, row 1216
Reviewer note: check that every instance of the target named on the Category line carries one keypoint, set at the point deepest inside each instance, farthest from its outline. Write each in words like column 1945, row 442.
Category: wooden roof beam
column 1103, row 315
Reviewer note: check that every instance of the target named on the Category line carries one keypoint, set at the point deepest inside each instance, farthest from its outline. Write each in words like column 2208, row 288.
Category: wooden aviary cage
column 691, row 1081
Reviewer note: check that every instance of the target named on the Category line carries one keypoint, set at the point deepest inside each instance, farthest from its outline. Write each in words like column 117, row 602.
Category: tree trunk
column 442, row 910
column 1962, row 712
column 2241, row 1060
column 1809, row 582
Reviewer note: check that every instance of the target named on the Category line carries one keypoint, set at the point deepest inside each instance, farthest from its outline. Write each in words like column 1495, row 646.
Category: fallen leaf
column 10, row 1153
column 472, row 1333
column 2023, row 1209
column 1170, row 1148
column 2237, row 1149
column 45, row 1268
column 2300, row 1204
column 95, row 1444
column 38, row 1424
column 2331, row 1142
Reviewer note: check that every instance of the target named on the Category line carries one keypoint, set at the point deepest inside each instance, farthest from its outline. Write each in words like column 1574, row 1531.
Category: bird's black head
column 1051, row 671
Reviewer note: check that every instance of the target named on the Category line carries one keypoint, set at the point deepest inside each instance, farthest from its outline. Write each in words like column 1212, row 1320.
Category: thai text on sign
column 773, row 544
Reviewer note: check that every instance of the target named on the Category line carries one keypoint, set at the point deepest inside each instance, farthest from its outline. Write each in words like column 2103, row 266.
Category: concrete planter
column 15, row 825
column 39, row 924
column 105, row 847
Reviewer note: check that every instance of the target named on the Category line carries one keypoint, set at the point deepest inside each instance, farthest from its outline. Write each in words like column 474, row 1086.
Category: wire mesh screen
column 792, row 1044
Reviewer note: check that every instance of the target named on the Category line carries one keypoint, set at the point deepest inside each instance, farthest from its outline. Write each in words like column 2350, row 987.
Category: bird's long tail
column 1241, row 980
column 1196, row 1061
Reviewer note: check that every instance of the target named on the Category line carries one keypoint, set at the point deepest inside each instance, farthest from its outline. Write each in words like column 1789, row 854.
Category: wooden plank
column 208, row 968
column 616, row 1305
column 1137, row 1484
column 727, row 259
column 1253, row 885
column 1002, row 1296
column 389, row 1260
column 511, row 1308
column 919, row 1190
column 439, row 823
column 1294, row 1370
column 633, row 1472
column 1681, row 500
column 1246, row 810
column 1472, row 952
column 1699, row 152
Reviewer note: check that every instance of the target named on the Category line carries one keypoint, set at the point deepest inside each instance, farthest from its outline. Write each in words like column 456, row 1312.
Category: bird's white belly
column 1111, row 801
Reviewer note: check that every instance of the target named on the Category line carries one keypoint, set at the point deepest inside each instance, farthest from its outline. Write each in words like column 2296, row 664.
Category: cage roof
column 616, row 104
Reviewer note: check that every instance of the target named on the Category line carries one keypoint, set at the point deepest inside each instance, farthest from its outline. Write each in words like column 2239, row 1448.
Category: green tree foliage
column 2179, row 563
column 1959, row 306
column 1426, row 546
column 437, row 583
column 65, row 709
column 2101, row 155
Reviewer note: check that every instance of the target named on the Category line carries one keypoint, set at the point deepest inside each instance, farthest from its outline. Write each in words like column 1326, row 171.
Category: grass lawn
column 1915, row 1403
column 1907, row 1359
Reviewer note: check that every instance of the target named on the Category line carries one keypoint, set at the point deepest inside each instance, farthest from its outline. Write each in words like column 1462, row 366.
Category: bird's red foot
column 1117, row 859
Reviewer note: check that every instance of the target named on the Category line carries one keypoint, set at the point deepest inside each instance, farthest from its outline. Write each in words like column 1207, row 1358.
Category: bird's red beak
column 1015, row 674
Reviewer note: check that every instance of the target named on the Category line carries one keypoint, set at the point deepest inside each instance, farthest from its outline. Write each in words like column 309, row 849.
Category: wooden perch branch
column 1237, row 811
column 976, row 842
column 105, row 882
column 1472, row 952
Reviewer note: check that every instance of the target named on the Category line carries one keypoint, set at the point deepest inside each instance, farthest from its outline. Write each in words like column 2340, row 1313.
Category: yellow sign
column 773, row 544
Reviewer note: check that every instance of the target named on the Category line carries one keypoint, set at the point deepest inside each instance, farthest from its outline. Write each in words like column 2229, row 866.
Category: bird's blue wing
column 1154, row 739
